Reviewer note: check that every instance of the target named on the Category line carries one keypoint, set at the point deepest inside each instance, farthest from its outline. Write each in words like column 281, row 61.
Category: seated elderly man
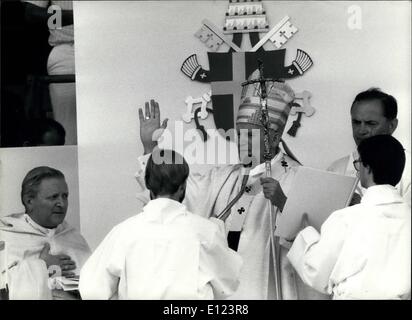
column 39, row 243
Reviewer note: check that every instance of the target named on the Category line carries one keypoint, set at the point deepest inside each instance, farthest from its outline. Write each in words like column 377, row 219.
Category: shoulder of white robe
column 66, row 229
column 12, row 220
column 289, row 152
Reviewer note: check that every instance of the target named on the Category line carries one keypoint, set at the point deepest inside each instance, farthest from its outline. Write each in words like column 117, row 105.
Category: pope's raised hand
column 150, row 128
column 273, row 191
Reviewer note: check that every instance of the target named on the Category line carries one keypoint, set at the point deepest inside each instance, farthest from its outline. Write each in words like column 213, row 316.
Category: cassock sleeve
column 99, row 277
column 29, row 280
column 143, row 194
column 224, row 265
column 221, row 225
column 405, row 183
column 407, row 195
column 314, row 255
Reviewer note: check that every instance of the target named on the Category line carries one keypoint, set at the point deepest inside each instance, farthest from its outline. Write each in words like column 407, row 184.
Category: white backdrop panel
column 130, row 51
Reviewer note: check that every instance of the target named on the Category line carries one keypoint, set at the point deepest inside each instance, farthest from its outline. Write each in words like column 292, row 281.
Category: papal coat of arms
column 228, row 70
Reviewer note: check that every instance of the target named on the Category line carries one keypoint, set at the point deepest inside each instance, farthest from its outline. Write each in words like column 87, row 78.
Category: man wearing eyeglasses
column 363, row 251
column 373, row 112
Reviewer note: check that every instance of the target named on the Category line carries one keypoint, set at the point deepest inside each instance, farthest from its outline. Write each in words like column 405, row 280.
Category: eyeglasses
column 356, row 164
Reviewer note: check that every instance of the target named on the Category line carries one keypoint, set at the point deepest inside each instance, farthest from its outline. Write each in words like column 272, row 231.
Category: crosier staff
column 274, row 241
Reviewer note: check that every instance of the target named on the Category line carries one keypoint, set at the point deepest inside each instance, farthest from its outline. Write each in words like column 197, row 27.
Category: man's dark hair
column 389, row 104
column 34, row 177
column 166, row 171
column 37, row 129
column 385, row 156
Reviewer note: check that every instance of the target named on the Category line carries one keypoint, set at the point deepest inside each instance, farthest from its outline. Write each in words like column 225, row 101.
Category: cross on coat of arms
column 228, row 70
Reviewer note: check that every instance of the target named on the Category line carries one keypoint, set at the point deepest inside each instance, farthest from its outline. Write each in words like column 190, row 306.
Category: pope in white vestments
column 164, row 252
column 362, row 251
column 40, row 242
column 209, row 193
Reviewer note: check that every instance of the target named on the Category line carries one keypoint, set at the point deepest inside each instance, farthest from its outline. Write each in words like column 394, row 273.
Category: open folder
column 317, row 193
column 67, row 284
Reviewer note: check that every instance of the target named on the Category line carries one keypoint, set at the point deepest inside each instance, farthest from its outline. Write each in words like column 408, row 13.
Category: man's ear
column 368, row 167
column 393, row 124
column 182, row 187
column 370, row 172
column 28, row 202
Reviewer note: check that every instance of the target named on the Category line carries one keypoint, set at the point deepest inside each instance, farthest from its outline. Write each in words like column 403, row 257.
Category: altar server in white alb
column 373, row 112
column 165, row 252
column 363, row 251
column 209, row 193
column 39, row 242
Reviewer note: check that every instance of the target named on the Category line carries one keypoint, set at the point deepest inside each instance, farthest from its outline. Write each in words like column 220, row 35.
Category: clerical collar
column 259, row 169
column 381, row 194
column 35, row 225
column 163, row 209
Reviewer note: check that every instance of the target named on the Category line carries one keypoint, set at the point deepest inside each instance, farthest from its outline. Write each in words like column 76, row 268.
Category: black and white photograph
column 219, row 150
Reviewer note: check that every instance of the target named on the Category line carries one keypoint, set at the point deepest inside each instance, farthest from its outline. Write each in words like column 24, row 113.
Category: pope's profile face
column 251, row 143
column 49, row 207
column 369, row 120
